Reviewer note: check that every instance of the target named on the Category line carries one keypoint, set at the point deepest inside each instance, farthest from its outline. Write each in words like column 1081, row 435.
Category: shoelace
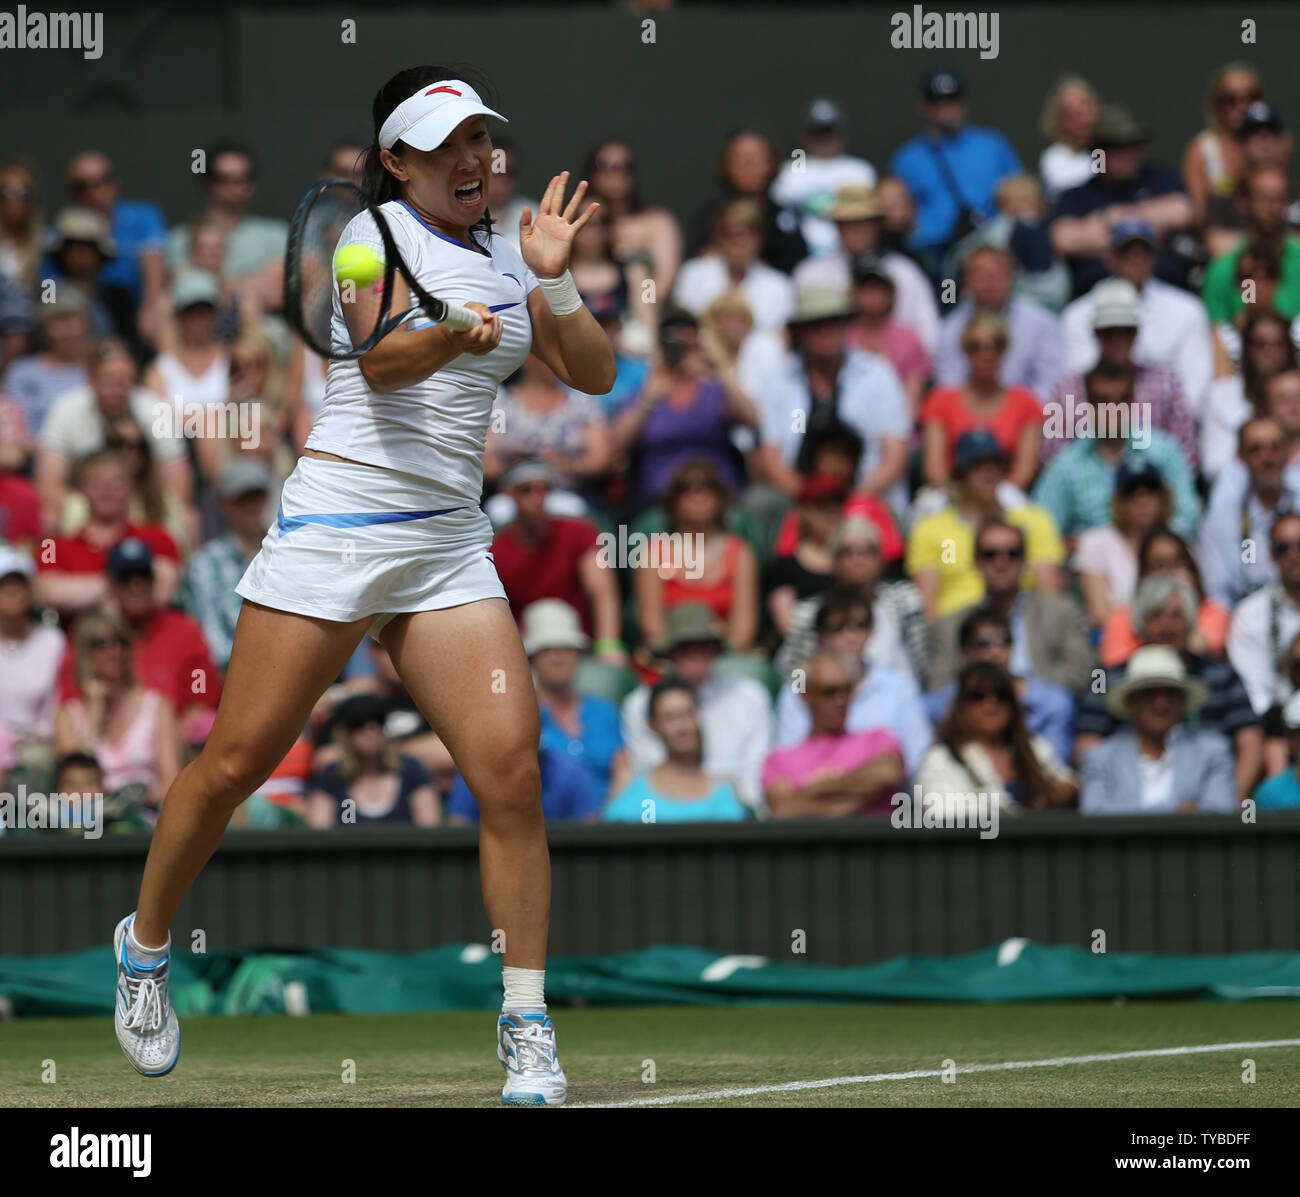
column 534, row 1047
column 146, row 1009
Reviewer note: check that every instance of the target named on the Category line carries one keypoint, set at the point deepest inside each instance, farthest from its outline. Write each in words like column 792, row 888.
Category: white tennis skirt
column 352, row 541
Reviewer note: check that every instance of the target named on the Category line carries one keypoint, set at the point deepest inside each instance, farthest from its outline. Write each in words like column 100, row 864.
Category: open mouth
column 469, row 194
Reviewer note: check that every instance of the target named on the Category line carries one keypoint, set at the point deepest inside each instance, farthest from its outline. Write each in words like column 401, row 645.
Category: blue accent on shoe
column 523, row 1099
column 284, row 524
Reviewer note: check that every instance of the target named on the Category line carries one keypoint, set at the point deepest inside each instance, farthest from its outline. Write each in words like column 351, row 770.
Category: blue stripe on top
column 285, row 524
column 443, row 236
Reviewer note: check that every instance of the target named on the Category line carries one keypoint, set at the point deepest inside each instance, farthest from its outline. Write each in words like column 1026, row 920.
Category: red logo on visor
column 449, row 90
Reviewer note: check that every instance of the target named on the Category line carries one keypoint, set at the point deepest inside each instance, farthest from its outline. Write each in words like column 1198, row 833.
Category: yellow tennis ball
column 359, row 265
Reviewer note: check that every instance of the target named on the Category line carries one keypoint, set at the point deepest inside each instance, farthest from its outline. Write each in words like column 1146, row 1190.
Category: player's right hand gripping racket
column 310, row 278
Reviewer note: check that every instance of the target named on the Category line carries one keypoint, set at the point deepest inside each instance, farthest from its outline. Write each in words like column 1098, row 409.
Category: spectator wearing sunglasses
column 1214, row 158
column 985, row 635
column 137, row 227
column 984, row 746
column 1049, row 634
column 1264, row 622
column 835, row 768
column 1264, row 141
column 941, row 547
column 882, row 698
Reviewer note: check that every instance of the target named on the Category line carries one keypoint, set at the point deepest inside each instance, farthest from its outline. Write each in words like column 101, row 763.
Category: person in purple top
column 682, row 413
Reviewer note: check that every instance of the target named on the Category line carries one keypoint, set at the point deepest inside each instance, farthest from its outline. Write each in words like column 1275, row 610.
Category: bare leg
column 280, row 665
column 465, row 667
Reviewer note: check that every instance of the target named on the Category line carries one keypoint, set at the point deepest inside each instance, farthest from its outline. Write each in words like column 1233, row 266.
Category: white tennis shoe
column 526, row 1049
column 148, row 1030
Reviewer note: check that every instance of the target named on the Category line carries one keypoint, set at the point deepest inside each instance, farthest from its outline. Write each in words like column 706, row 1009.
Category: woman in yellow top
column 941, row 547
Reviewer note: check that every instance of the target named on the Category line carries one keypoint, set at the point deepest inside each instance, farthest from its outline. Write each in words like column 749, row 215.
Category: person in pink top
column 834, row 772
column 877, row 331
column 130, row 730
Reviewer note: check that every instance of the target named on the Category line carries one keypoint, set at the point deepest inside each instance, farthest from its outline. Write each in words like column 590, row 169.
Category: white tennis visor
column 425, row 120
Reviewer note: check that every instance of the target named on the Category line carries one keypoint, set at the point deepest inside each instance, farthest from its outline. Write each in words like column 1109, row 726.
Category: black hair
column 980, row 617
column 665, row 685
column 380, row 186
column 76, row 760
column 1105, row 371
column 1165, row 532
column 676, row 317
column 634, row 200
column 841, row 437
column 842, row 600
column 234, row 147
column 999, row 522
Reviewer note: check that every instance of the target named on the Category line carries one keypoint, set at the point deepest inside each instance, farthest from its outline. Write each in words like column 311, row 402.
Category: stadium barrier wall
column 859, row 891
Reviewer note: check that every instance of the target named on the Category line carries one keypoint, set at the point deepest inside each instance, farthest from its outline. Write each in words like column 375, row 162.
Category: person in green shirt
column 1267, row 192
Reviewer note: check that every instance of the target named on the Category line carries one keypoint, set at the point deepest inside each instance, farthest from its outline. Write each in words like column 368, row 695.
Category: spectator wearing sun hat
column 823, row 385
column 583, row 727
column 951, row 168
column 1159, row 764
column 859, row 219
column 80, row 246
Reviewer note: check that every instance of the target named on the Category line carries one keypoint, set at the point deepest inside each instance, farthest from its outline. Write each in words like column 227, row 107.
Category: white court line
column 921, row 1073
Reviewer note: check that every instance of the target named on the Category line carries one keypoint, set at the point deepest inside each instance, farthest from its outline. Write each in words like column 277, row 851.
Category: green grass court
column 448, row 1059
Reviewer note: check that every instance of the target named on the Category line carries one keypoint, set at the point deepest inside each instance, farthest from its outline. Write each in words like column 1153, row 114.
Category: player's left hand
column 546, row 241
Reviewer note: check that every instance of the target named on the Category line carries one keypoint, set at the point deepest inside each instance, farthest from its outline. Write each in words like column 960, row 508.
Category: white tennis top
column 436, row 428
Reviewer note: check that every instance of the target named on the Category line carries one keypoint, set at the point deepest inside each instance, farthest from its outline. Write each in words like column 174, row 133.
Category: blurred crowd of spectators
column 964, row 475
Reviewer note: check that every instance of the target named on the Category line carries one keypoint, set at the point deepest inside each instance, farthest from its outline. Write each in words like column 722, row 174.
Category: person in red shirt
column 73, row 575
column 539, row 555
column 20, row 512
column 1012, row 414
column 168, row 651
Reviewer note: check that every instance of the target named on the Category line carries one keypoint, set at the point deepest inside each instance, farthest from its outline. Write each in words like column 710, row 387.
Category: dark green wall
column 861, row 889
column 172, row 80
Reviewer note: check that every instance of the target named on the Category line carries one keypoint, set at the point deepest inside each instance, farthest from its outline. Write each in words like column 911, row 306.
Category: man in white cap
column 808, row 181
column 1157, row 390
column 1174, row 331
column 1159, row 764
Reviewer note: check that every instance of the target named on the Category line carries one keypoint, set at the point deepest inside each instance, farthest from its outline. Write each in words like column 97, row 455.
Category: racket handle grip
column 460, row 319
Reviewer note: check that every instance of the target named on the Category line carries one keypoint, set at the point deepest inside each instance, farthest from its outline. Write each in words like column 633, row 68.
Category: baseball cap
column 1116, row 126
column 977, row 446
column 942, row 85
column 1116, row 304
column 869, row 265
column 824, row 114
column 1133, row 230
column 606, row 305
column 527, row 471
column 1260, row 115
column 195, row 287
column 129, row 558
column 14, row 562
column 355, row 712
column 424, row 119
column 240, row 478
column 689, row 623
column 1136, row 474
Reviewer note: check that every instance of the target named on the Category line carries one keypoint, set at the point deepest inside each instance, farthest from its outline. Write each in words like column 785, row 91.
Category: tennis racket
column 310, row 280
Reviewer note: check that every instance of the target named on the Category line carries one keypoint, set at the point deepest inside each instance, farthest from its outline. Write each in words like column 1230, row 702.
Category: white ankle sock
column 140, row 950
column 525, row 988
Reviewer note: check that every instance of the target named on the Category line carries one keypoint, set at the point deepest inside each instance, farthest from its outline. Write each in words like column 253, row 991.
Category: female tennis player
column 380, row 531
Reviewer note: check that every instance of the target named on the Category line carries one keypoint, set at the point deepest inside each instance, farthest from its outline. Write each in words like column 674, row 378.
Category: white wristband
column 561, row 294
